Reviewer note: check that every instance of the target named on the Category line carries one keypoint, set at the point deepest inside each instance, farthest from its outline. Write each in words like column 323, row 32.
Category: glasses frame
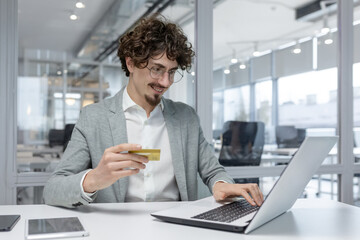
column 152, row 73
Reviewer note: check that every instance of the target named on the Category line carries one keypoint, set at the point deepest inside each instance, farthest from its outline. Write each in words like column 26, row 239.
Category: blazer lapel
column 173, row 126
column 119, row 134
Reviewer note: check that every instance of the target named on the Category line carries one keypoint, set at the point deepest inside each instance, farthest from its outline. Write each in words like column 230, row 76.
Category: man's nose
column 165, row 80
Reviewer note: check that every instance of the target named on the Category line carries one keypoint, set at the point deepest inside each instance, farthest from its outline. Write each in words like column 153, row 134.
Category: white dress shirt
column 157, row 181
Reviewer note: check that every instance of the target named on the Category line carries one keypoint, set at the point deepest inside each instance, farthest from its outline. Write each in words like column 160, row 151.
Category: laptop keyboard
column 228, row 212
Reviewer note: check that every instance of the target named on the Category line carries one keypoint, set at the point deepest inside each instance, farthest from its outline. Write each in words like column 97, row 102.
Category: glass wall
column 268, row 67
column 263, row 107
column 29, row 195
column 356, row 106
column 356, row 95
column 356, row 189
column 114, row 79
column 183, row 13
column 54, row 82
column 278, row 71
column 50, row 98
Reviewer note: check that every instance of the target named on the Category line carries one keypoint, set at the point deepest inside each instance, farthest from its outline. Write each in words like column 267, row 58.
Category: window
column 309, row 100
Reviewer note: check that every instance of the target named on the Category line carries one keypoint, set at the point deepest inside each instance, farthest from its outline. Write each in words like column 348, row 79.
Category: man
column 96, row 166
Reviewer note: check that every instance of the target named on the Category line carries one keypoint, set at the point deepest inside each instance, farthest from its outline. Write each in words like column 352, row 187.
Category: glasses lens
column 156, row 73
column 177, row 76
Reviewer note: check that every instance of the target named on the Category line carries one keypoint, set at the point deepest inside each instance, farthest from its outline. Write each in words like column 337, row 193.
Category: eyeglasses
column 174, row 75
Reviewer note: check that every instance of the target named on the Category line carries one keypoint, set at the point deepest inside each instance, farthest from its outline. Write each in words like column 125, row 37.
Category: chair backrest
column 67, row 135
column 242, row 143
column 56, row 137
column 287, row 137
column 301, row 134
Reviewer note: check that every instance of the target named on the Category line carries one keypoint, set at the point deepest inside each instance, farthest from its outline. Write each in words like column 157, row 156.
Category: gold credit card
column 151, row 154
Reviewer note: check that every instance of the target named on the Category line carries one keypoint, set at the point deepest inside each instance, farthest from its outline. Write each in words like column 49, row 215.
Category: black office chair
column 242, row 145
column 56, row 137
column 301, row 134
column 67, row 134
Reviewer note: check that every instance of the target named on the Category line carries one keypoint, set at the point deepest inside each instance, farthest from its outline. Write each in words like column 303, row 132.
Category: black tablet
column 7, row 222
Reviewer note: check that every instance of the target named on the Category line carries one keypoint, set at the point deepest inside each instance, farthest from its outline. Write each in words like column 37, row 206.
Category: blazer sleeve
column 63, row 188
column 209, row 169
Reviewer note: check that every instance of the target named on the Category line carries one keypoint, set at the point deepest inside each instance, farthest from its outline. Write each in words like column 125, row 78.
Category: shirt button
column 147, row 175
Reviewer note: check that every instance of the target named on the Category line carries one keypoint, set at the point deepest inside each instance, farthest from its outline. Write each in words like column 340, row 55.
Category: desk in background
column 292, row 151
column 38, row 159
column 309, row 219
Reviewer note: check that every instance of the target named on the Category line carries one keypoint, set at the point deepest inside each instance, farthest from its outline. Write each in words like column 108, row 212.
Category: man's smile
column 157, row 89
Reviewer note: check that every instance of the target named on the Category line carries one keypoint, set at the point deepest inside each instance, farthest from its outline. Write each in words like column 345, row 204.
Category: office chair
column 67, row 134
column 242, row 145
column 301, row 134
column 56, row 137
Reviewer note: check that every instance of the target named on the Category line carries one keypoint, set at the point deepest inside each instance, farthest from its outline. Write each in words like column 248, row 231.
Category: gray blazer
column 102, row 125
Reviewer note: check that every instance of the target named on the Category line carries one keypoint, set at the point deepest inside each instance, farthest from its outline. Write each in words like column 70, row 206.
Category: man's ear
column 129, row 64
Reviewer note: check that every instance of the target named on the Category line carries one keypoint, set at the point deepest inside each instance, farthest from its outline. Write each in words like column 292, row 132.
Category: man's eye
column 172, row 72
column 157, row 70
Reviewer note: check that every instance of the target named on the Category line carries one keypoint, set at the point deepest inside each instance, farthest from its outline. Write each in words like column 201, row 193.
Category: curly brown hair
column 154, row 36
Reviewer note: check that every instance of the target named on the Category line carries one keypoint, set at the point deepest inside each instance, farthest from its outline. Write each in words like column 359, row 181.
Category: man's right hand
column 114, row 165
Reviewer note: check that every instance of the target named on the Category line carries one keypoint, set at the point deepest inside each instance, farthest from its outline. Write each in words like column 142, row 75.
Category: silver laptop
column 239, row 216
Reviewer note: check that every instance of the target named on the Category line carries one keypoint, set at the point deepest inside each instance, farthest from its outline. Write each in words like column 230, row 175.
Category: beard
column 153, row 101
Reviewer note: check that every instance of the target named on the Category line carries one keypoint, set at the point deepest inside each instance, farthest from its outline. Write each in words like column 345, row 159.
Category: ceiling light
column 70, row 101
column 73, row 17
column 80, row 4
column 256, row 53
column 28, row 110
column 328, row 40
column 58, row 72
column 234, row 59
column 242, row 66
column 227, row 70
column 87, row 102
column 192, row 73
column 297, row 48
column 73, row 95
column 58, row 95
column 325, row 28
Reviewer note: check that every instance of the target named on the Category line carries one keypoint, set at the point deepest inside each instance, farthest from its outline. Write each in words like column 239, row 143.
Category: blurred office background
column 274, row 62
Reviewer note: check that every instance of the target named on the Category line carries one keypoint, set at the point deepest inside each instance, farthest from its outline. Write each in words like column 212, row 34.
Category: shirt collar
column 129, row 103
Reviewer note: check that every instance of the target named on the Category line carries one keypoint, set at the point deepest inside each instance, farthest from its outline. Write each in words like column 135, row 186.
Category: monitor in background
column 288, row 136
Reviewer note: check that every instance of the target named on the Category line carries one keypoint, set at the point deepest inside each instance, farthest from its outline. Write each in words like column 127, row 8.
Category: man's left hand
column 249, row 191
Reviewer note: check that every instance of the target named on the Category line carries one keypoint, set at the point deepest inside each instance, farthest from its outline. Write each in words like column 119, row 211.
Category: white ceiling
column 240, row 24
column 45, row 24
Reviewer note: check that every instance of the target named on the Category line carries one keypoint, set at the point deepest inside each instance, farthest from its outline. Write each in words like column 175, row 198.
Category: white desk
column 308, row 219
column 271, row 159
column 292, row 151
column 281, row 151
